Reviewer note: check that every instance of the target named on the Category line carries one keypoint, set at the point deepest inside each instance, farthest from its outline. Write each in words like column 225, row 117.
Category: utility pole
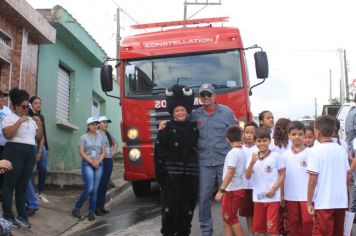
column 316, row 108
column 342, row 79
column 330, row 87
column 346, row 78
column 118, row 34
column 186, row 3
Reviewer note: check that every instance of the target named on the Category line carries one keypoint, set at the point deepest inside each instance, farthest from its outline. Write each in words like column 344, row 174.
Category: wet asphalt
column 141, row 216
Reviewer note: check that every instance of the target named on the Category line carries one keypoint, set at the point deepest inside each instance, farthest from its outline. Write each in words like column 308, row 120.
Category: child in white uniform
column 299, row 221
column 249, row 148
column 267, row 170
column 329, row 172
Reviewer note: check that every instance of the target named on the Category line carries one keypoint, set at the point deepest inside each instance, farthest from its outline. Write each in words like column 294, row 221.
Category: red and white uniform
column 265, row 174
column 266, row 210
column 299, row 221
column 247, row 205
column 232, row 200
column 329, row 161
column 296, row 181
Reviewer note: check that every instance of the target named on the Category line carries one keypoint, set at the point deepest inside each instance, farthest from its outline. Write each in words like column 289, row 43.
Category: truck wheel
column 141, row 188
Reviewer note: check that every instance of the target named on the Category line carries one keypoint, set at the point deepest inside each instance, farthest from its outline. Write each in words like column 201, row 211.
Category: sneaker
column 43, row 197
column 104, row 211
column 91, row 216
column 13, row 222
column 98, row 212
column 76, row 213
column 23, row 222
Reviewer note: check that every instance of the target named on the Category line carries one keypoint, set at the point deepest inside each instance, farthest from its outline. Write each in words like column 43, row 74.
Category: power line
column 125, row 12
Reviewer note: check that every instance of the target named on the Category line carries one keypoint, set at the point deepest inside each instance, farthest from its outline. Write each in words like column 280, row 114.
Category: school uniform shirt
column 342, row 143
column 235, row 158
column 249, row 150
column 26, row 133
column 316, row 143
column 3, row 112
column 296, row 181
column 330, row 163
column 280, row 150
column 265, row 175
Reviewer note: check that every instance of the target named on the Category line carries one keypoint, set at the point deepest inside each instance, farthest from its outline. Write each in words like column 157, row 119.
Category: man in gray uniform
column 212, row 121
column 350, row 130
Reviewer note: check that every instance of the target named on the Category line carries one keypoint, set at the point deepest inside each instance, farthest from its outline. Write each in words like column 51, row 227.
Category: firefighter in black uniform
column 176, row 163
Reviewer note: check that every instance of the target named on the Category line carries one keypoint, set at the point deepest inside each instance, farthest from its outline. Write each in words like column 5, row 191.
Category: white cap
column 104, row 118
column 91, row 120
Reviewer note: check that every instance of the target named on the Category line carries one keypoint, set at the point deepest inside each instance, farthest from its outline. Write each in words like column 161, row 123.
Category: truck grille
column 156, row 116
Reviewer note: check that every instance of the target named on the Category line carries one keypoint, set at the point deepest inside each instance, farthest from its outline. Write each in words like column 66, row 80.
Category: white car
column 341, row 116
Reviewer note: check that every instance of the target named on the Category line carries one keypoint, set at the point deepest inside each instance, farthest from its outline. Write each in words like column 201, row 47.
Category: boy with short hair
column 232, row 189
column 249, row 147
column 299, row 221
column 267, row 169
column 329, row 174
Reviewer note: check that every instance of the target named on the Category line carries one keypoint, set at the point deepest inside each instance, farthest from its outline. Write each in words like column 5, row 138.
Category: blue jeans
column 103, row 186
column 209, row 177
column 32, row 201
column 91, row 178
column 42, row 170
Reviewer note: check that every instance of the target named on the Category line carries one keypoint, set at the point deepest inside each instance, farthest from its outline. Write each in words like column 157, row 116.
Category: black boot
column 91, row 216
column 104, row 211
column 98, row 212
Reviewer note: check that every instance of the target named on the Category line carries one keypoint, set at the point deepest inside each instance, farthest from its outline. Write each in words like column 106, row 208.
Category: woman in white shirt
column 20, row 131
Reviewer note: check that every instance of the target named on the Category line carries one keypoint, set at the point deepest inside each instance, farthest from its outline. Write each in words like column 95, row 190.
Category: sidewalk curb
column 110, row 196
column 114, row 192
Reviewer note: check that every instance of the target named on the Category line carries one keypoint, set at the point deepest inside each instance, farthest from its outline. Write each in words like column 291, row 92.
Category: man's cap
column 2, row 94
column 179, row 95
column 92, row 120
column 104, row 118
column 206, row 87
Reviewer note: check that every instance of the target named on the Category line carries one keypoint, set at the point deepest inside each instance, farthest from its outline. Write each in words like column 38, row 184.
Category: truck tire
column 141, row 188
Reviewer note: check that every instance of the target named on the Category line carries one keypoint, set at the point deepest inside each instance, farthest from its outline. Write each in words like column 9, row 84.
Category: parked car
column 307, row 122
column 341, row 116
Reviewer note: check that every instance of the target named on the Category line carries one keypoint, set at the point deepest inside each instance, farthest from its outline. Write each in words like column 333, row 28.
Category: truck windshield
column 153, row 76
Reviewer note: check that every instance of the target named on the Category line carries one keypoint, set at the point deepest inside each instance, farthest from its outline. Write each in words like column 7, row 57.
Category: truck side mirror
column 106, row 78
column 261, row 63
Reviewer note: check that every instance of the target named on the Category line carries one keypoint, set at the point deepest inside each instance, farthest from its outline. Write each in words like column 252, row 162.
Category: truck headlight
column 242, row 124
column 132, row 133
column 134, row 154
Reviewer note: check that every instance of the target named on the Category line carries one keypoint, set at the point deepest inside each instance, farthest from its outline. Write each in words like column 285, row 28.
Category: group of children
column 290, row 180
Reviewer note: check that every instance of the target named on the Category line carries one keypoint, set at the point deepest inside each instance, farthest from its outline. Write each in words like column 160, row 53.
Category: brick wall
column 21, row 63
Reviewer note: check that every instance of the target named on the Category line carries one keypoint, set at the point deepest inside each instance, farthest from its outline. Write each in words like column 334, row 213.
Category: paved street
column 141, row 216
column 131, row 216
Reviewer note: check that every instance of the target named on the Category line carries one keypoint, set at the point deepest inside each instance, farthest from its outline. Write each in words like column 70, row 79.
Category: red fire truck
column 189, row 52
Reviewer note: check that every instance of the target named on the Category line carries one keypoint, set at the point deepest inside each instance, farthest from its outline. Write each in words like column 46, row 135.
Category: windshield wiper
column 156, row 91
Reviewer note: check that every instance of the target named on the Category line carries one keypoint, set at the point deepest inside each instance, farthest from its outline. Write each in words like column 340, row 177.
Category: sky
column 302, row 40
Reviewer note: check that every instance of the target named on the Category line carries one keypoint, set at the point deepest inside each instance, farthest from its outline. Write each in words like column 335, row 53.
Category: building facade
column 22, row 30
column 69, row 85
